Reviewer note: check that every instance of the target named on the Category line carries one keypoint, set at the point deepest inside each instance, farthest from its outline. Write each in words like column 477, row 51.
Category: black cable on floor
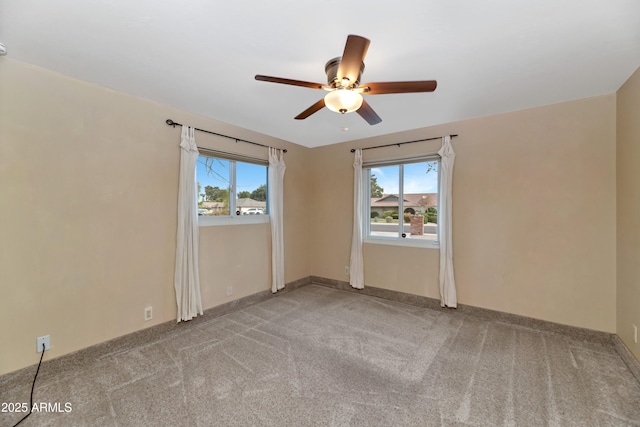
column 32, row 387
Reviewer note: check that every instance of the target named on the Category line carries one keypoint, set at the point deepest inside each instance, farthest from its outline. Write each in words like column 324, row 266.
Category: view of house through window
column 402, row 199
column 228, row 187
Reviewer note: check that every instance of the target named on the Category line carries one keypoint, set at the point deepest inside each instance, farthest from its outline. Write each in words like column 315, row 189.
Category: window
column 401, row 199
column 231, row 189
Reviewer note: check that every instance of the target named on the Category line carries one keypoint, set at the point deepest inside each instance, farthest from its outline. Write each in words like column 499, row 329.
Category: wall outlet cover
column 43, row 340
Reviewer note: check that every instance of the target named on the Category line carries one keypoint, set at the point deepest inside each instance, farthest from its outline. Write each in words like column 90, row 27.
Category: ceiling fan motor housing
column 331, row 68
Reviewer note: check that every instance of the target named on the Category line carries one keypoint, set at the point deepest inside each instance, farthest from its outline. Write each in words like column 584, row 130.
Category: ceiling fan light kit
column 343, row 101
column 343, row 84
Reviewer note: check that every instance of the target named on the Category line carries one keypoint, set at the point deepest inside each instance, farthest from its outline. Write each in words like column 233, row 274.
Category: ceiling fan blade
column 309, row 111
column 367, row 113
column 352, row 58
column 399, row 87
column 289, row 82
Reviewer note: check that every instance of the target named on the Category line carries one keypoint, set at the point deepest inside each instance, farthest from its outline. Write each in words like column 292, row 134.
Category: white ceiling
column 201, row 56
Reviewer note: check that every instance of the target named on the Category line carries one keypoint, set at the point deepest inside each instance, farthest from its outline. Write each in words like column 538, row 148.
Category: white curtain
column 187, row 277
column 276, row 186
column 356, row 265
column 448, row 296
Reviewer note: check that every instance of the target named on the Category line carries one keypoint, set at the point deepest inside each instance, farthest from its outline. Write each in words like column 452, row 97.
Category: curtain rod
column 174, row 124
column 353, row 150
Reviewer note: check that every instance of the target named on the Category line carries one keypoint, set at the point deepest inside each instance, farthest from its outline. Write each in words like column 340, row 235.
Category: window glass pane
column 403, row 200
column 251, row 189
column 384, row 185
column 214, row 185
column 420, row 211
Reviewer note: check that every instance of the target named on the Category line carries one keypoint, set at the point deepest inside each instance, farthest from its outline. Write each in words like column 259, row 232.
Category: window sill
column 207, row 221
column 413, row 243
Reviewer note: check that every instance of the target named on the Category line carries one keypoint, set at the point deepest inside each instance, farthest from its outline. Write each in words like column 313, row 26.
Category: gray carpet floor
column 325, row 357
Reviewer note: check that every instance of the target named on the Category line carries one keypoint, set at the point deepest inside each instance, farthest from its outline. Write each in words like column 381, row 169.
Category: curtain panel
column 448, row 296
column 276, row 198
column 356, row 264
column 187, row 276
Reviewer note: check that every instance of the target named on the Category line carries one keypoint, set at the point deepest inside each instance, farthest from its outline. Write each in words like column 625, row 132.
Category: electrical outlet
column 43, row 340
column 635, row 334
column 346, row 270
column 229, row 291
column 148, row 313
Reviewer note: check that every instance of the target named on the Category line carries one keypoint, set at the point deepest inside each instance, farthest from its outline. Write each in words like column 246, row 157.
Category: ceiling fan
column 343, row 84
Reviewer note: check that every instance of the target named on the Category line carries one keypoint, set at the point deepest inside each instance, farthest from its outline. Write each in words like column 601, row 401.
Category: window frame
column 366, row 211
column 232, row 218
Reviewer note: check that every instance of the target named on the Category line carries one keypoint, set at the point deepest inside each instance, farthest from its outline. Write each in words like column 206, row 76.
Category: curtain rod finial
column 353, row 150
column 171, row 122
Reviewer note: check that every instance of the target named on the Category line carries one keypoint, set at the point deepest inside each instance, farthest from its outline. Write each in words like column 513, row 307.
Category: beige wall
column 88, row 191
column 534, row 228
column 628, row 211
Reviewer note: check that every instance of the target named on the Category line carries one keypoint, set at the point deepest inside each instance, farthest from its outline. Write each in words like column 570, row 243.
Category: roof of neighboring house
column 410, row 200
column 210, row 205
column 250, row 203
column 423, row 199
column 240, row 203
